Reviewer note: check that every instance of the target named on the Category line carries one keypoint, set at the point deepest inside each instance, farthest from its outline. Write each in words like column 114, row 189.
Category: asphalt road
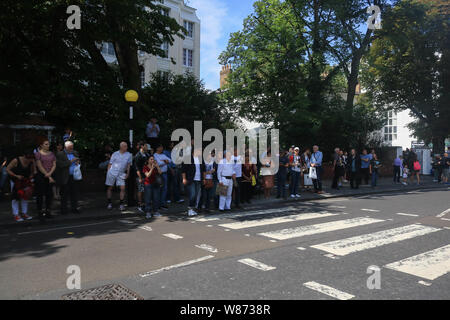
column 313, row 250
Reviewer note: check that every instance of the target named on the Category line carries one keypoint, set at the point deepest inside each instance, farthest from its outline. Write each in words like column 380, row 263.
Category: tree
column 409, row 67
column 290, row 68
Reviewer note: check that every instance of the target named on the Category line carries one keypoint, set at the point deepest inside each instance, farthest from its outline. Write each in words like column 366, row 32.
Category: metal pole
column 131, row 178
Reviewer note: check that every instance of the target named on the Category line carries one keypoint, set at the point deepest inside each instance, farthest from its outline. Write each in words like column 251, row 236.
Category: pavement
column 93, row 205
column 387, row 245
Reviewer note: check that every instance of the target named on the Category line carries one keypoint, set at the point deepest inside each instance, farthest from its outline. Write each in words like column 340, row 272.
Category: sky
column 218, row 19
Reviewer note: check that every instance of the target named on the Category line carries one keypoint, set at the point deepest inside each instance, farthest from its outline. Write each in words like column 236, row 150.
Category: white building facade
column 185, row 52
column 395, row 133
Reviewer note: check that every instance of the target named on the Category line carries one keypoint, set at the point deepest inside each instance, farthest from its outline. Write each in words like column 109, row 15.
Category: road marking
column 337, row 207
column 269, row 221
column 445, row 219
column 372, row 240
column 331, row 256
column 209, row 225
column 207, row 247
column 146, row 228
column 329, row 291
column 256, row 264
column 175, row 266
column 448, row 228
column 61, row 228
column 407, row 214
column 428, row 265
column 246, row 214
column 125, row 221
column 273, row 240
column 318, row 228
column 172, row 236
column 370, row 210
column 424, row 283
column 440, row 215
column 301, row 248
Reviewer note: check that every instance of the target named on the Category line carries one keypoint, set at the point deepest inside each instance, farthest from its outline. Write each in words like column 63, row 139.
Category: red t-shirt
column 150, row 179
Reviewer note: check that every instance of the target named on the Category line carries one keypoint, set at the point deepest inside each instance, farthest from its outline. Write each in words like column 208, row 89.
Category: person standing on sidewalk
column 282, row 175
column 66, row 161
column 295, row 164
column 21, row 171
column 163, row 162
column 306, row 160
column 445, row 168
column 117, row 173
column 316, row 162
column 152, row 133
column 267, row 173
column 375, row 164
column 365, row 164
column 354, row 167
column 140, row 159
column 338, row 166
column 209, row 189
column 397, row 169
column 249, row 179
column 151, row 170
column 193, row 174
column 225, row 175
column 237, row 189
column 46, row 166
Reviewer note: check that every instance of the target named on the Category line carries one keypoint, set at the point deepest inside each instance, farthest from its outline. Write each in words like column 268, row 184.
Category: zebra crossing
column 428, row 265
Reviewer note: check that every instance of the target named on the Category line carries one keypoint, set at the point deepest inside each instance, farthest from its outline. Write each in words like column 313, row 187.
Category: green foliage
column 409, row 67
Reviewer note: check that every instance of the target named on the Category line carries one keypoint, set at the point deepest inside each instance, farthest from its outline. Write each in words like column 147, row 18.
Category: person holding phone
column 151, row 187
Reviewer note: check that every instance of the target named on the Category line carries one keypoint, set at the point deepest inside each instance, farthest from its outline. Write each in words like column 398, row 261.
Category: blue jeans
column 151, row 198
column 208, row 195
column 194, row 191
column 374, row 178
column 163, row 190
column 281, row 184
column 295, row 178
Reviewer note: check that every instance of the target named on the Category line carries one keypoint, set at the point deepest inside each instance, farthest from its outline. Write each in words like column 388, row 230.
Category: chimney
column 226, row 69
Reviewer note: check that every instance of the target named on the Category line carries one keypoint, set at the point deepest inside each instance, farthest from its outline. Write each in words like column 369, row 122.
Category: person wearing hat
column 295, row 164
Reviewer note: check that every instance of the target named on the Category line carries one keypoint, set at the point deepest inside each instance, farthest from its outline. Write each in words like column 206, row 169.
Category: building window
column 188, row 57
column 165, row 12
column 108, row 48
column 142, row 76
column 165, row 48
column 390, row 128
column 189, row 26
column 164, row 75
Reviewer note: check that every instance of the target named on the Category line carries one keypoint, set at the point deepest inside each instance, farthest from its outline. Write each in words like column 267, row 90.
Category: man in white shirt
column 117, row 172
column 225, row 174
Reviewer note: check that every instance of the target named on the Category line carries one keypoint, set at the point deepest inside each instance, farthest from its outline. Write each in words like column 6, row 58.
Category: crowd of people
column 220, row 181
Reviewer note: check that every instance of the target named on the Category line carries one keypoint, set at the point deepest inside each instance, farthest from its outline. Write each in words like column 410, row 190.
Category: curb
column 179, row 214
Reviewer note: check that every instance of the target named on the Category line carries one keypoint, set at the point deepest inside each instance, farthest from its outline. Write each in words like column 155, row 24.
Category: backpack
column 417, row 166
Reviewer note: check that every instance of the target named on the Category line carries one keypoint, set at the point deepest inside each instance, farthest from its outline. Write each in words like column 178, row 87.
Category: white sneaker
column 109, row 207
column 148, row 215
column 191, row 213
column 292, row 196
column 168, row 201
column 180, row 201
column 297, row 196
column 122, row 207
column 157, row 214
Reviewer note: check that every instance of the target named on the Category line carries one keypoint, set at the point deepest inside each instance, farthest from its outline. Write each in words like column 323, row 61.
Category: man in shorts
column 118, row 171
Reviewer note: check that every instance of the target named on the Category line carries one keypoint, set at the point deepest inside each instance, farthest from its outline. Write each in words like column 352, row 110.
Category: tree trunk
column 438, row 144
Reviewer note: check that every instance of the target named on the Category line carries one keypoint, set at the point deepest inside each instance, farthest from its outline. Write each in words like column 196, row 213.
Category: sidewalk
column 93, row 205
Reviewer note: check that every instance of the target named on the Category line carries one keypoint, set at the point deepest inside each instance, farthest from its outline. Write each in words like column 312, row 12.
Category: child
column 405, row 174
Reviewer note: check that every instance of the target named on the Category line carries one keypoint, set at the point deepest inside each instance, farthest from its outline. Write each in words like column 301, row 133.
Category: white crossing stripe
column 370, row 210
column 172, row 236
column 146, row 228
column 373, row 240
column 318, row 228
column 126, row 221
column 329, row 291
column 443, row 213
column 245, row 214
column 175, row 266
column 301, row 248
column 407, row 214
column 428, row 265
column 445, row 219
column 337, row 207
column 256, row 264
column 424, row 283
column 264, row 222
column 207, row 247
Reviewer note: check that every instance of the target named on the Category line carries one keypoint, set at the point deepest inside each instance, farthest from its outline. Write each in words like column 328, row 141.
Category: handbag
column 77, row 176
column 312, row 173
column 253, row 180
column 222, row 190
column 307, row 180
column 209, row 183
